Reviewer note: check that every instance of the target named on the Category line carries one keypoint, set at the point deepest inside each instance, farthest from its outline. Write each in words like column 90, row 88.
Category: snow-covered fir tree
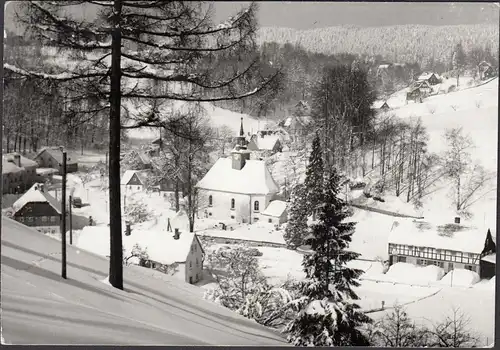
column 296, row 229
column 327, row 312
column 314, row 177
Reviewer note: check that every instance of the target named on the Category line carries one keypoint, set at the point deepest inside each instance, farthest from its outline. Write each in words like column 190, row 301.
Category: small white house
column 134, row 181
column 275, row 213
column 236, row 188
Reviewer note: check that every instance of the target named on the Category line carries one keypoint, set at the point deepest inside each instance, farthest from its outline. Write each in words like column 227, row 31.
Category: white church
column 241, row 189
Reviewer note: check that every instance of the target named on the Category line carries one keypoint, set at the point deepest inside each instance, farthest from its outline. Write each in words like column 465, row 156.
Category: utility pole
column 70, row 221
column 63, row 223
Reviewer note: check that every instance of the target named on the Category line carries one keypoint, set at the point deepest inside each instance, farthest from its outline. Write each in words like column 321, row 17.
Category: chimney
column 177, row 234
column 457, row 220
column 17, row 159
column 128, row 231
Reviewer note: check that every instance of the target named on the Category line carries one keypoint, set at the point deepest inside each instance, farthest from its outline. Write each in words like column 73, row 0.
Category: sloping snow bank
column 460, row 277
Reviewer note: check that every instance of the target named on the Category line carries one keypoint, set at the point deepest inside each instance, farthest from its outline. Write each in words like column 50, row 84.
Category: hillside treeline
column 405, row 43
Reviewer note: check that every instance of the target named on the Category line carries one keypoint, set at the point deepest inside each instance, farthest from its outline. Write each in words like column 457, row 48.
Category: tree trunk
column 458, row 191
column 115, row 220
column 176, row 194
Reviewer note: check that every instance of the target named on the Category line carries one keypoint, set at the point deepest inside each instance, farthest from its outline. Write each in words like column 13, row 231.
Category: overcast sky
column 309, row 15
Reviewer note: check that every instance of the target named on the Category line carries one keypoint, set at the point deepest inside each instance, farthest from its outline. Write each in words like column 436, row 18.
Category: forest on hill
column 403, row 43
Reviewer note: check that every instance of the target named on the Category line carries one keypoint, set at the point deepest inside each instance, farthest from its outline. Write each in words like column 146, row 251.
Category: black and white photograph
column 231, row 173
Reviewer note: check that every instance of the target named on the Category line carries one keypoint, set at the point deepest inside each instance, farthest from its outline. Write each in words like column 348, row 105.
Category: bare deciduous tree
column 115, row 58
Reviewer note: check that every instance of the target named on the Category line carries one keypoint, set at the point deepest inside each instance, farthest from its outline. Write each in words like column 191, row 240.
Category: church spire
column 242, row 133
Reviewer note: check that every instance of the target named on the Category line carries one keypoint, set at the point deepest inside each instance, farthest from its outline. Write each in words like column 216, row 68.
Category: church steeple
column 242, row 133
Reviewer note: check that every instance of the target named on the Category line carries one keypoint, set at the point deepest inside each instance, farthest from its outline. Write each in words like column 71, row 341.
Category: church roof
column 253, row 178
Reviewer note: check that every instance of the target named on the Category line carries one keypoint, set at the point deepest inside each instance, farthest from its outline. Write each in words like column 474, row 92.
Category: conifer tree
column 328, row 314
column 314, row 177
column 296, row 228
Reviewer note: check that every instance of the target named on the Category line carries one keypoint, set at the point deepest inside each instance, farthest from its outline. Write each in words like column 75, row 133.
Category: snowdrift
column 460, row 277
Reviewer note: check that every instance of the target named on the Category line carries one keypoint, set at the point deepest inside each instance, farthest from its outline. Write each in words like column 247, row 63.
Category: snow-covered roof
column 491, row 258
column 383, row 66
column 253, row 178
column 127, row 176
column 35, row 195
column 275, row 208
column 267, row 142
column 427, row 75
column 422, row 234
column 9, row 167
column 25, row 162
column 379, row 104
column 45, row 171
column 56, row 153
column 159, row 244
column 288, row 122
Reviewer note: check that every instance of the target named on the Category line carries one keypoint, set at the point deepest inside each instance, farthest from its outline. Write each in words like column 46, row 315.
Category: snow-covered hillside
column 217, row 117
column 39, row 307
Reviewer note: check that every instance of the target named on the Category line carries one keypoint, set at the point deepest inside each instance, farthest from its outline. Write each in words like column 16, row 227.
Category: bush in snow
column 296, row 228
column 137, row 211
column 327, row 315
column 453, row 332
column 270, row 306
column 397, row 330
column 237, row 273
column 137, row 256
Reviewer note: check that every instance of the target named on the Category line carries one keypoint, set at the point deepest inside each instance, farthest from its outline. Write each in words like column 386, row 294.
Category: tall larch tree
column 328, row 314
column 115, row 58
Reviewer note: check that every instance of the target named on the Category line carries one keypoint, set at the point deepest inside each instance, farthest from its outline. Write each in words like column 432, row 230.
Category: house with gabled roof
column 38, row 209
column 18, row 173
column 265, row 142
column 177, row 253
column 276, row 212
column 449, row 246
column 381, row 106
column 237, row 188
column 430, row 77
column 51, row 157
column 134, row 180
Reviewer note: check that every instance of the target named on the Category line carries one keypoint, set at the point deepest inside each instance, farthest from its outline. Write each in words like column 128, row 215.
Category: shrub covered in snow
column 137, row 211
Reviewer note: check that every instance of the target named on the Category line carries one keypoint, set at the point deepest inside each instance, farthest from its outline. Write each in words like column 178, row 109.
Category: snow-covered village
column 198, row 173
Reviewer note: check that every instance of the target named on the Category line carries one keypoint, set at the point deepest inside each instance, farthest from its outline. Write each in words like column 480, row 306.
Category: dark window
column 190, row 264
column 470, row 268
column 255, row 219
column 209, row 214
column 256, row 206
column 138, row 187
column 210, row 200
column 232, row 203
column 270, row 221
column 402, row 259
column 420, row 262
